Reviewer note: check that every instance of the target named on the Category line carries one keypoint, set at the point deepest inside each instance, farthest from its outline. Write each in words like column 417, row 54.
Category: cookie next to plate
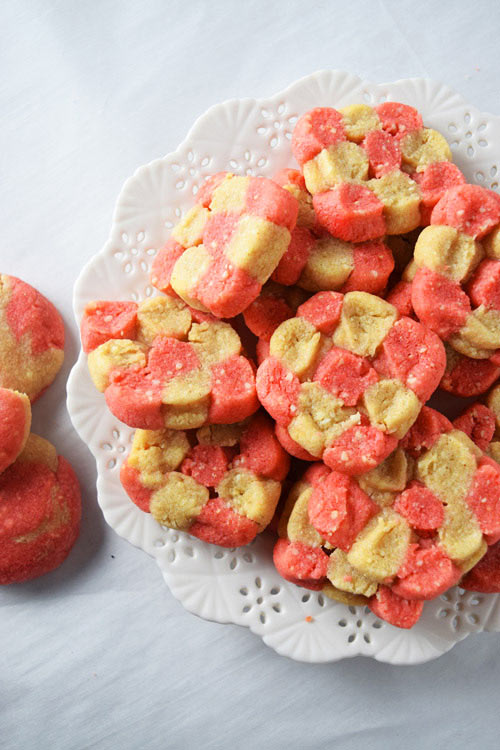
column 40, row 509
column 15, row 423
column 220, row 483
column 346, row 379
column 31, row 338
column 162, row 364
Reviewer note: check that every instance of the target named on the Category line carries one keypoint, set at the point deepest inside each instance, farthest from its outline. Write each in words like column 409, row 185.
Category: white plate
column 251, row 136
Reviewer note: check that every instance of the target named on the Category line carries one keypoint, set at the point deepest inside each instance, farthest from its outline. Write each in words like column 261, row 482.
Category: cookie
column 232, row 240
column 416, row 521
column 176, row 372
column 301, row 555
column 419, row 521
column 357, row 163
column 456, row 289
column 470, row 209
column 220, row 483
column 369, row 523
column 472, row 510
column 347, row 378
column 304, row 557
column 40, row 510
column 31, row 338
column 15, row 423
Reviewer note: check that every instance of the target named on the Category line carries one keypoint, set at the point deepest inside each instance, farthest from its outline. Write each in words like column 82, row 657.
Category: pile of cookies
column 40, row 504
column 309, row 318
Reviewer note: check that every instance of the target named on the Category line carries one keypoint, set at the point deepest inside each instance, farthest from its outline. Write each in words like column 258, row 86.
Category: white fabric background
column 98, row 654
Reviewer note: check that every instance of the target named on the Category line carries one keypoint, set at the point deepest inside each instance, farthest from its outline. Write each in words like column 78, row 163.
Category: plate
column 252, row 136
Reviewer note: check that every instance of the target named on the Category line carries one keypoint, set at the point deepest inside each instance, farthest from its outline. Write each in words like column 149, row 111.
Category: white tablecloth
column 98, row 654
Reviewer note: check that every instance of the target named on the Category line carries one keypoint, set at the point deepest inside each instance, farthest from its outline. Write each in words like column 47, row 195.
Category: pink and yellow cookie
column 228, row 245
column 175, row 368
column 31, row 338
column 220, row 483
column 356, row 162
column 346, row 378
column 456, row 288
column 378, row 525
column 40, row 509
column 304, row 557
column 15, row 423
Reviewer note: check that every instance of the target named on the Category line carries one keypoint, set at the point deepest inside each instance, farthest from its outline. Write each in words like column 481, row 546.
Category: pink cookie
column 274, row 305
column 383, row 152
column 400, row 297
column 351, row 212
column 427, row 572
column 398, row 119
